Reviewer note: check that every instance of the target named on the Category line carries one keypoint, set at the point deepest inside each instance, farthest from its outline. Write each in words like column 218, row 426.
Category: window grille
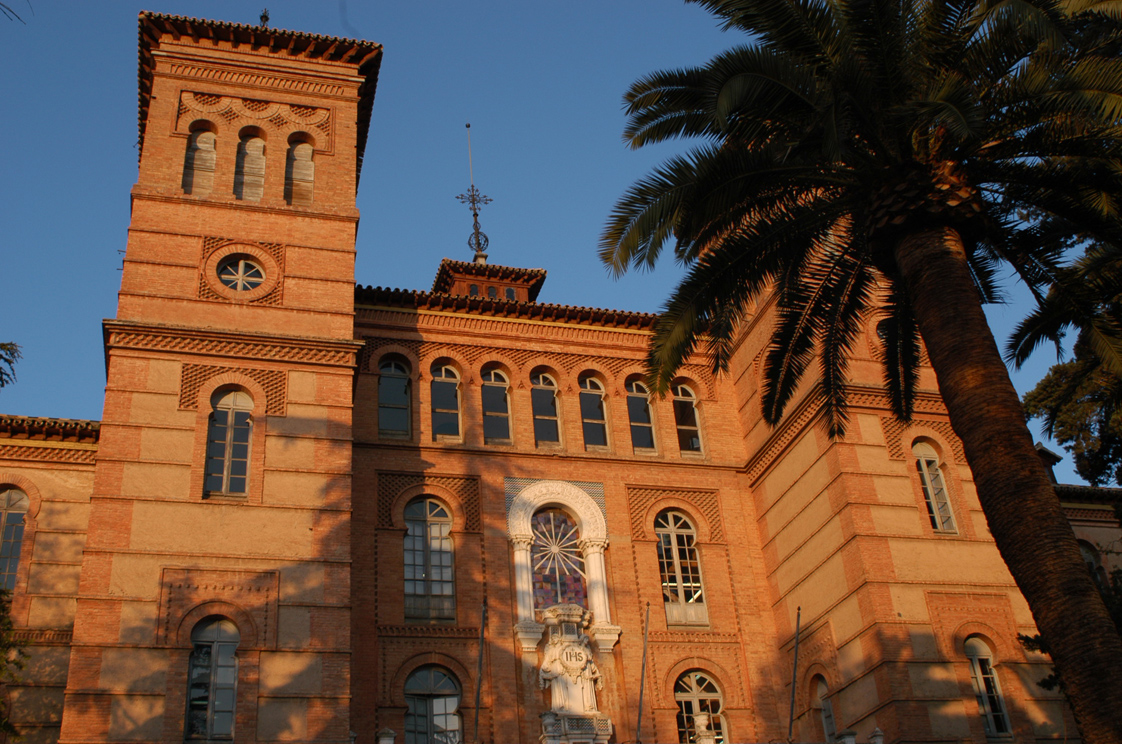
column 430, row 589
column 227, row 446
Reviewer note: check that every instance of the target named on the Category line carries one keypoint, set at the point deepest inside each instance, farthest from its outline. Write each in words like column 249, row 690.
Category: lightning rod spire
column 477, row 241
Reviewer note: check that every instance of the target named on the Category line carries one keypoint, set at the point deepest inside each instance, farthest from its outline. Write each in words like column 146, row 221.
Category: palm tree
column 889, row 156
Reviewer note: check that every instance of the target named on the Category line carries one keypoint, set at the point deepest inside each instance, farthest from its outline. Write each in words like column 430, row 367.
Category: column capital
column 591, row 545
column 522, row 542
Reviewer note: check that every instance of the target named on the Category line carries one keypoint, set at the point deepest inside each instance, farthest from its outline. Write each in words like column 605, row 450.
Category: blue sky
column 540, row 82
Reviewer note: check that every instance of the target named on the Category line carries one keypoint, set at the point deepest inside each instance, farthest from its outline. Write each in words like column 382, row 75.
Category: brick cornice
column 427, row 631
column 221, row 343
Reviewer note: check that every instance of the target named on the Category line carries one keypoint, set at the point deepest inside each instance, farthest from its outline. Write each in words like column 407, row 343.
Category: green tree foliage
column 13, row 657
column 1080, row 403
column 886, row 157
column 9, row 355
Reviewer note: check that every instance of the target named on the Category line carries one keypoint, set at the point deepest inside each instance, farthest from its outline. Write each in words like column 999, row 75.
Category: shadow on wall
column 983, row 690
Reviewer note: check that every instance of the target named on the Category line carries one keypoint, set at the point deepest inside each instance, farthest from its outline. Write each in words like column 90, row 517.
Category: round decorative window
column 240, row 273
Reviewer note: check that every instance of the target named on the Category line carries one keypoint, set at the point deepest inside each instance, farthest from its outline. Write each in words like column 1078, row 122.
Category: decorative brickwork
column 193, row 376
column 281, row 117
column 42, row 636
column 183, row 591
column 640, row 498
column 199, row 344
column 255, row 80
column 391, row 485
column 894, row 430
column 374, row 344
column 272, row 292
column 427, row 631
column 43, row 452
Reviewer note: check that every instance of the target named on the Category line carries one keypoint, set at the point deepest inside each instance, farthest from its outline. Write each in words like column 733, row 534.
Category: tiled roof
column 366, row 55
column 449, row 269
column 503, row 308
column 1079, row 494
column 49, row 429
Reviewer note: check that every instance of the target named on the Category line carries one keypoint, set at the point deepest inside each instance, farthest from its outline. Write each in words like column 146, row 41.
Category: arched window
column 639, row 414
column 249, row 170
column 473, row 290
column 212, row 680
column 510, row 294
column 394, row 404
column 198, row 163
column 593, row 420
column 430, row 589
column 13, row 507
column 432, row 695
column 696, row 692
column 227, row 444
column 558, row 561
column 934, row 491
column 680, row 569
column 496, row 407
column 821, row 692
column 987, row 689
column 299, row 174
column 493, row 292
column 685, row 418
column 543, row 397
column 445, row 389
column 1094, row 563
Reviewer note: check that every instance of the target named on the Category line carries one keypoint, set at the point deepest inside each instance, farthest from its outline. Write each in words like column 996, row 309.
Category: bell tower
column 214, row 596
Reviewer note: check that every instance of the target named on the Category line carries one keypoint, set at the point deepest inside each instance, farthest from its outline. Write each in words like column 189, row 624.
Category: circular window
column 240, row 273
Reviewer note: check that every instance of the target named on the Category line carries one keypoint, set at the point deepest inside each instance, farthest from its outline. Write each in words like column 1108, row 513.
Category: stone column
column 528, row 631
column 602, row 629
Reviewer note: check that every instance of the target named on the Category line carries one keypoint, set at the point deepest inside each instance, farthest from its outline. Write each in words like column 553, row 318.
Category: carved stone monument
column 569, row 670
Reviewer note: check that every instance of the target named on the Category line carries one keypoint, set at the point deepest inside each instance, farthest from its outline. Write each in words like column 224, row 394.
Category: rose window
column 240, row 274
column 558, row 564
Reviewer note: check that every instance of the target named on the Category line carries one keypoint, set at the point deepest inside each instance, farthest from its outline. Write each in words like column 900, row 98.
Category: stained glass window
column 558, row 564
column 213, row 680
column 13, row 506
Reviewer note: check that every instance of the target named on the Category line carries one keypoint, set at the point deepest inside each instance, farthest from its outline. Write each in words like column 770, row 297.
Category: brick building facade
column 307, row 501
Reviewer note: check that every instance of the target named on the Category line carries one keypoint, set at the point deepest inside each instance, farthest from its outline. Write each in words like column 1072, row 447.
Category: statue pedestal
column 563, row 728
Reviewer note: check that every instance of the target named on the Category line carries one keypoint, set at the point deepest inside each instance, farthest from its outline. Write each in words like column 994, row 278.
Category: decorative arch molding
column 727, row 682
column 543, row 494
column 594, row 540
column 34, row 497
column 396, row 691
column 447, row 496
column 250, row 637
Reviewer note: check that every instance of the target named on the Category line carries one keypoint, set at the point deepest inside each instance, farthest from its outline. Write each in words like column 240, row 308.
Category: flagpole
column 643, row 677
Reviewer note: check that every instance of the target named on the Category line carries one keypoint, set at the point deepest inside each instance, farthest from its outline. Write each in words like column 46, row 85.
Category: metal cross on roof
column 477, row 241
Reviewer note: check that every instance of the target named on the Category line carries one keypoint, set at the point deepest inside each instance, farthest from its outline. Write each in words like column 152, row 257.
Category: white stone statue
column 569, row 669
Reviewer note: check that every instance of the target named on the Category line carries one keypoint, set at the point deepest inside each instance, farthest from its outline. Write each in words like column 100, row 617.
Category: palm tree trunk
column 1020, row 504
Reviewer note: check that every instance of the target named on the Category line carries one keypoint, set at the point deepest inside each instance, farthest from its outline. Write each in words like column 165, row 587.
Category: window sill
column 498, row 442
column 219, row 496
column 692, row 455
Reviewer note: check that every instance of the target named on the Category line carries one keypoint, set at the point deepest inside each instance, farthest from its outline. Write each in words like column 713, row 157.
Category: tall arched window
column 680, row 569
column 13, row 507
column 430, row 589
column 299, row 174
column 496, row 407
column 445, row 389
column 227, row 444
column 543, row 397
column 639, row 415
column 249, row 170
column 198, row 163
column 934, row 490
column 394, row 400
column 432, row 695
column 493, row 293
column 558, row 561
column 1094, row 562
column 696, row 692
column 987, row 689
column 212, row 680
column 593, row 420
column 685, row 418
column 821, row 692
